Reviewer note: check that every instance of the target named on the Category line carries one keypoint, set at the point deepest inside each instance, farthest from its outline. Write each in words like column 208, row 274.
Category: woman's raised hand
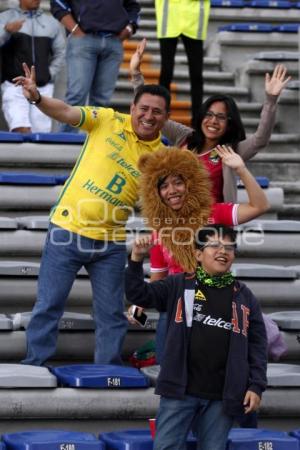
column 229, row 157
column 276, row 82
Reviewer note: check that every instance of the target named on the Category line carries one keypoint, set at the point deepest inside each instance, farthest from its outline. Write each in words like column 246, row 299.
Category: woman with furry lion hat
column 176, row 199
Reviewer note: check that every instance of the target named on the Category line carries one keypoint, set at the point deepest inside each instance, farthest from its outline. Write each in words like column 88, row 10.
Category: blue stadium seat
column 127, row 440
column 100, row 376
column 254, row 439
column 278, row 4
column 7, row 136
column 227, row 3
column 61, row 179
column 56, row 138
column 287, row 28
column 27, row 178
column 165, row 140
column 135, row 440
column 52, row 440
column 296, row 434
column 262, row 181
column 248, row 27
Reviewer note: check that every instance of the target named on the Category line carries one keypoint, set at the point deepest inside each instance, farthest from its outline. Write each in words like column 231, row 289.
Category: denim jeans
column 174, row 421
column 93, row 63
column 63, row 256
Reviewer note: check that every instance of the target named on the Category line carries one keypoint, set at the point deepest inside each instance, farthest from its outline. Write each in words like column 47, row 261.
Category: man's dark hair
column 235, row 131
column 222, row 231
column 153, row 89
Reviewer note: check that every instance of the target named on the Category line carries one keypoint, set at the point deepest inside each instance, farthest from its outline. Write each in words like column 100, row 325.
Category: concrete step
column 100, row 410
column 276, row 166
column 151, row 75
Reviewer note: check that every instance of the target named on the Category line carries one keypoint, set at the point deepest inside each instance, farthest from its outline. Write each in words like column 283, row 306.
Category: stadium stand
column 269, row 269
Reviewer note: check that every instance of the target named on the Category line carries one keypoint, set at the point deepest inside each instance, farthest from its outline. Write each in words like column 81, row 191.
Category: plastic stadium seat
column 26, row 376
column 274, row 226
column 286, row 320
column 61, row 179
column 19, row 268
column 262, row 181
column 296, row 434
column 69, row 321
column 287, row 28
column 57, row 138
column 33, row 222
column 7, row 136
column 295, row 85
column 52, row 440
column 152, row 373
column 227, row 3
column 127, row 440
column 165, row 140
column 265, row 271
column 279, row 4
column 277, row 56
column 8, row 223
column 5, row 322
column 283, row 375
column 27, row 178
column 100, row 376
column 135, row 440
column 254, row 439
column 248, row 27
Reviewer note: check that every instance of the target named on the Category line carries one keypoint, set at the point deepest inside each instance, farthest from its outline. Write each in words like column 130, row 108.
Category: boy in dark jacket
column 215, row 357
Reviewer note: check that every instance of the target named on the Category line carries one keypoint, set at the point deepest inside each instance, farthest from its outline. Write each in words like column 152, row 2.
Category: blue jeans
column 174, row 421
column 63, row 256
column 93, row 63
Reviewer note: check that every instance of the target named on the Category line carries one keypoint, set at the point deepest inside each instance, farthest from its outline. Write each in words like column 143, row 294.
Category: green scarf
column 217, row 281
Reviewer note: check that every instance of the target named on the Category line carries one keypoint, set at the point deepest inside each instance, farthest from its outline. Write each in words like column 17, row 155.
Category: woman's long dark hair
column 235, row 131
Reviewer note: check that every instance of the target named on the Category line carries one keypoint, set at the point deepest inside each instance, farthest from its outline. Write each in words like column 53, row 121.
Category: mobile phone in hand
column 140, row 317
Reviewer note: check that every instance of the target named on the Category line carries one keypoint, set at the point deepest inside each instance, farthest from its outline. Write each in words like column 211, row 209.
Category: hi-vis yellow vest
column 188, row 17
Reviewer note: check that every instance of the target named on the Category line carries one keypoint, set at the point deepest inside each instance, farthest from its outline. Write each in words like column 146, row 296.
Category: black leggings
column 194, row 52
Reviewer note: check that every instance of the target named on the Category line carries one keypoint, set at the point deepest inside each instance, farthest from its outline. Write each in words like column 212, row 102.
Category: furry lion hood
column 176, row 229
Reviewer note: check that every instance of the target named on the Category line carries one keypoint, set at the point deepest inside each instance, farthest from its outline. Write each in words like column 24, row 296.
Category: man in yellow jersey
column 87, row 222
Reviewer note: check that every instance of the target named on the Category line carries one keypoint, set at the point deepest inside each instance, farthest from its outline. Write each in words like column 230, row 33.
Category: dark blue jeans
column 63, row 256
column 175, row 417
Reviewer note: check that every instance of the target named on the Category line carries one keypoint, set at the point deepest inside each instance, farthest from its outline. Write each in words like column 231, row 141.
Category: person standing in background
column 96, row 30
column 187, row 19
column 28, row 35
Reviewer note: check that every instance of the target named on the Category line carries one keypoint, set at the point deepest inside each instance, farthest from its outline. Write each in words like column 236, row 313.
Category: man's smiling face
column 148, row 116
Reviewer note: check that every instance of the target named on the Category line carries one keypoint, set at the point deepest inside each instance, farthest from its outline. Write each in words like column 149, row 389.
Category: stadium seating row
column 238, row 439
column 261, row 27
column 98, row 376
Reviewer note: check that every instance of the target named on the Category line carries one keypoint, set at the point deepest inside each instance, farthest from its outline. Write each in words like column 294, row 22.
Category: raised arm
column 274, row 85
column 52, row 107
column 258, row 202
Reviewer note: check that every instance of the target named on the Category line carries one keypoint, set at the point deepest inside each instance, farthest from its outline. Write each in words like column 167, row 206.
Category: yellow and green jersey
column 102, row 189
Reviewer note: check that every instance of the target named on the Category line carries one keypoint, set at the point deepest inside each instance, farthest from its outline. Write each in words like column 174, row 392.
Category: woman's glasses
column 219, row 116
